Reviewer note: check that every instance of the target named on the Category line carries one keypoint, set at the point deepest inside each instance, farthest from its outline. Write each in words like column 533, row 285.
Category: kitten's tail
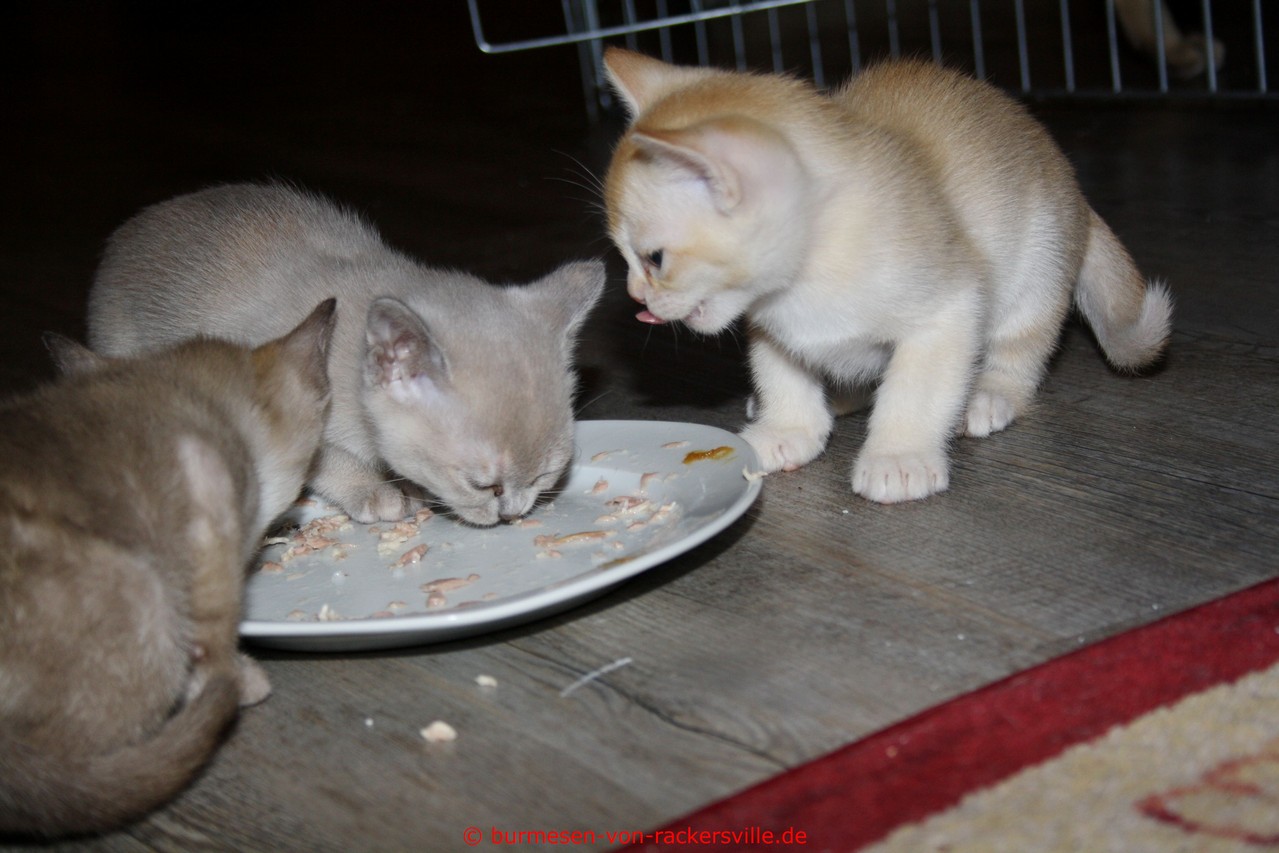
column 59, row 794
column 1131, row 320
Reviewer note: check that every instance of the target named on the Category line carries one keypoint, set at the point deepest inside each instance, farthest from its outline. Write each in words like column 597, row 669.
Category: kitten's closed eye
column 496, row 488
column 547, row 479
column 540, row 483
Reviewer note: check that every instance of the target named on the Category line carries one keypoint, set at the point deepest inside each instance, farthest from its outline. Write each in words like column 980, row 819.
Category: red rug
column 861, row 793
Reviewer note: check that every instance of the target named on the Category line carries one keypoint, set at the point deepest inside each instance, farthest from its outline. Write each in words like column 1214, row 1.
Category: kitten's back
column 240, row 262
column 997, row 164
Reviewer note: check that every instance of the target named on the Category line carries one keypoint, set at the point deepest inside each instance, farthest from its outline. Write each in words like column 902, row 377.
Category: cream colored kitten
column 916, row 228
column 439, row 378
column 133, row 494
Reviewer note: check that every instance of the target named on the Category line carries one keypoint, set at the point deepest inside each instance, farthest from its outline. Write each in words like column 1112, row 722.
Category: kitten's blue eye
column 653, row 260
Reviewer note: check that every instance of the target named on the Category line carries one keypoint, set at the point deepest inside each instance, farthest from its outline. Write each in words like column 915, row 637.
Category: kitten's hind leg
column 213, row 535
column 918, row 404
column 1016, row 357
column 792, row 420
column 360, row 489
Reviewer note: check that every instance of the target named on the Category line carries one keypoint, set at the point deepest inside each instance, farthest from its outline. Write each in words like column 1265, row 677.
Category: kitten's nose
column 517, row 504
column 510, row 513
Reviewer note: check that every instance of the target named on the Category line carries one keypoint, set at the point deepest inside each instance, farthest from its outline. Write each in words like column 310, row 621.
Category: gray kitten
column 454, row 384
column 133, row 494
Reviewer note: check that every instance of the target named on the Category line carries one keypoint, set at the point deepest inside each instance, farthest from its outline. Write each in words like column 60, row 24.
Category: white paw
column 254, row 684
column 783, row 449
column 893, row 478
column 988, row 412
column 385, row 503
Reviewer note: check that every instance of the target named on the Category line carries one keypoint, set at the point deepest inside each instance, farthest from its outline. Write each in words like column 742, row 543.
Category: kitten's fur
column 459, row 386
column 133, row 494
column 916, row 227
column 1185, row 53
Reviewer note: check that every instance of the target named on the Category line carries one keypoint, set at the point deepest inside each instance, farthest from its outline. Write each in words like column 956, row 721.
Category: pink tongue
column 649, row 317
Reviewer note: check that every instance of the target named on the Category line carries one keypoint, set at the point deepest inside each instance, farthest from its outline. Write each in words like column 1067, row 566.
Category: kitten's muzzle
column 636, row 292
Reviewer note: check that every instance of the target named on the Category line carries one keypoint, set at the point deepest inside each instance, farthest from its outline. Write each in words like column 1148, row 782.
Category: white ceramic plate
column 687, row 482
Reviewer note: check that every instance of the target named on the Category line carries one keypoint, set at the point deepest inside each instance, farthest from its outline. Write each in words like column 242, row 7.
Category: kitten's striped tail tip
column 1141, row 344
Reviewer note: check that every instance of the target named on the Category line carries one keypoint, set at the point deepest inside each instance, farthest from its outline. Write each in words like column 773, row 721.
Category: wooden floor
column 816, row 619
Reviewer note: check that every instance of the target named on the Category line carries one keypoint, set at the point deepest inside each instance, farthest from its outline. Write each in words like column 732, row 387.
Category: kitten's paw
column 254, row 684
column 890, row 479
column 783, row 449
column 988, row 412
column 385, row 503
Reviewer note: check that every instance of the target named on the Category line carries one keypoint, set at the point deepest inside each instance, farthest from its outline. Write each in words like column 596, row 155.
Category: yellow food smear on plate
column 722, row 452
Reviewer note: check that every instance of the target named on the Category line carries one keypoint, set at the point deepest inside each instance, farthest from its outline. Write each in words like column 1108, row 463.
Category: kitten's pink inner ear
column 649, row 317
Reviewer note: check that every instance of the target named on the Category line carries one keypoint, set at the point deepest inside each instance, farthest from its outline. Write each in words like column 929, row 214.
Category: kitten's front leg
column 917, row 407
column 358, row 488
column 792, row 420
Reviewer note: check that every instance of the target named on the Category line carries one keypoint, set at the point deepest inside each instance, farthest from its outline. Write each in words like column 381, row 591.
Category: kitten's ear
column 567, row 295
column 72, row 358
column 310, row 340
column 640, row 80
column 734, row 156
column 401, row 356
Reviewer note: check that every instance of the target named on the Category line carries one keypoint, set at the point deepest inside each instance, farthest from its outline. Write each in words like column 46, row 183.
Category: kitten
column 915, row 228
column 1185, row 53
column 133, row 495
column 456, row 385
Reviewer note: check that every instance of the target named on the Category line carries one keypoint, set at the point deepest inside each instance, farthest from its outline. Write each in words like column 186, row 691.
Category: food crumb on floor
column 439, row 732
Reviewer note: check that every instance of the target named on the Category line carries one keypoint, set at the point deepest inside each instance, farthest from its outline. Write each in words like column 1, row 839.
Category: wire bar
column 1008, row 40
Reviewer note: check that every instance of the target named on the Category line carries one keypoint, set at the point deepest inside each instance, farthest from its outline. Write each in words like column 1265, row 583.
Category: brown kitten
column 134, row 492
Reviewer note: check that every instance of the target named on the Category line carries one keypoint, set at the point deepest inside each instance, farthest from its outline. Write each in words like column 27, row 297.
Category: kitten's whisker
column 573, row 181
column 595, row 399
column 591, row 201
column 735, row 333
column 423, row 500
column 586, row 179
column 597, row 183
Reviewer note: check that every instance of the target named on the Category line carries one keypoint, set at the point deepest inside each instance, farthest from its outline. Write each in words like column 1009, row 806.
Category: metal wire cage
column 1037, row 48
